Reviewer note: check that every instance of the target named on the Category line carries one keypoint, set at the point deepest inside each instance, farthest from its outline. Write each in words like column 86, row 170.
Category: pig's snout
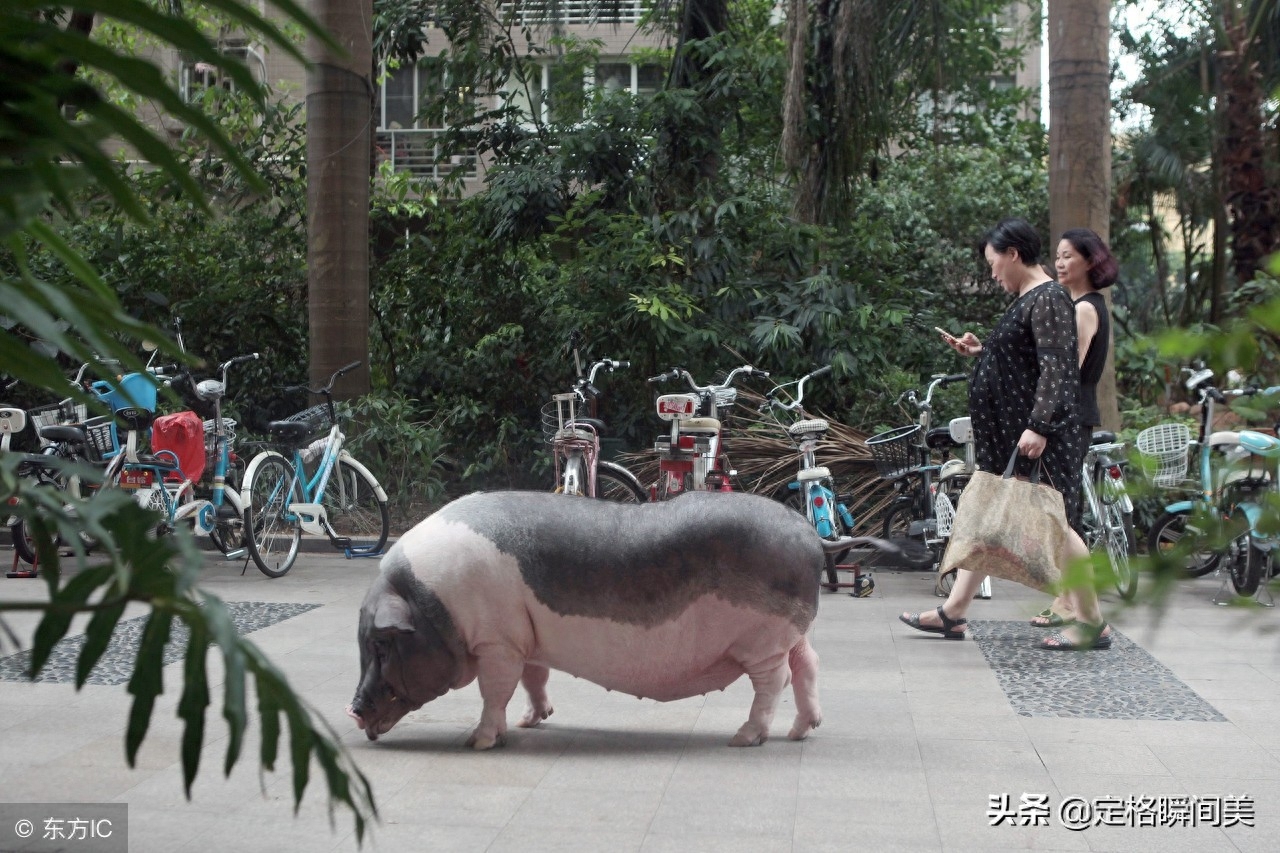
column 355, row 715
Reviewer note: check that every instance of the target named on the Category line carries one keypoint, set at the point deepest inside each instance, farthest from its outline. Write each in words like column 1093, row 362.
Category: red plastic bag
column 182, row 433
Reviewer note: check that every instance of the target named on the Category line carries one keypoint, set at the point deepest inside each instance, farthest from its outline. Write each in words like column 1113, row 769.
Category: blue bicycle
column 1230, row 496
column 341, row 501
column 812, row 493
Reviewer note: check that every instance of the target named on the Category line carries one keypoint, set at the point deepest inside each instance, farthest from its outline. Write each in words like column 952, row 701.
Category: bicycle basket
column 57, row 414
column 211, row 440
column 892, row 451
column 945, row 513
column 99, row 438
column 316, row 418
column 1166, row 445
column 557, row 416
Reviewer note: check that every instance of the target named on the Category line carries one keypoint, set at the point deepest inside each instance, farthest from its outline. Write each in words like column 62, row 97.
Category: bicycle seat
column 290, row 432
column 708, row 426
column 1102, row 436
column 939, row 438
column 63, row 434
column 1259, row 443
column 816, row 427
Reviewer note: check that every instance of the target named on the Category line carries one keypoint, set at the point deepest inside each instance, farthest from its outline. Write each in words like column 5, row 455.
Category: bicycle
column 691, row 457
column 922, row 509
column 812, row 493
column 575, row 442
column 341, row 501
column 1226, row 506
column 157, row 479
column 1108, row 511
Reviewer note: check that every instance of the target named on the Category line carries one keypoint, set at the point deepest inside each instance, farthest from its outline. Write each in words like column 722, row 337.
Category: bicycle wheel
column 354, row 511
column 1121, row 545
column 615, row 483
column 269, row 531
column 1170, row 528
column 1249, row 563
column 897, row 529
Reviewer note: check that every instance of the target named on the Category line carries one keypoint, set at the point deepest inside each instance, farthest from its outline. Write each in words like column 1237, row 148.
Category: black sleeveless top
column 1094, row 359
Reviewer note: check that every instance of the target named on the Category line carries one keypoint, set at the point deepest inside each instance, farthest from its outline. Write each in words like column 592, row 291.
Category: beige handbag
column 1009, row 528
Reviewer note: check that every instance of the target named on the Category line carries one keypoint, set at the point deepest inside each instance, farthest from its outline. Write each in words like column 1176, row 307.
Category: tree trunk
column 339, row 117
column 1080, row 139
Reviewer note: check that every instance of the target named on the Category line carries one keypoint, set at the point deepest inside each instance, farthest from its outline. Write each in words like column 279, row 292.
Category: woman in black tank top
column 1085, row 267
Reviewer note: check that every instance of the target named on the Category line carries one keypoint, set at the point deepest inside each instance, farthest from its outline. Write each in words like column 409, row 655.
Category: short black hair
column 1013, row 233
column 1103, row 268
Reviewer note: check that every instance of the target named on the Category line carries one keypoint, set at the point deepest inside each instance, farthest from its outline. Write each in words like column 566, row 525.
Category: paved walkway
column 920, row 735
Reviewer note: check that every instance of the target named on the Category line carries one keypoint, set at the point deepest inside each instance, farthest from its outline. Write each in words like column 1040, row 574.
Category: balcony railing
column 419, row 151
column 580, row 12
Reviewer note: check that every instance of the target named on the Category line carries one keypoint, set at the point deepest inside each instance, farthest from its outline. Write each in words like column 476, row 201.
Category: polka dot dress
column 1027, row 377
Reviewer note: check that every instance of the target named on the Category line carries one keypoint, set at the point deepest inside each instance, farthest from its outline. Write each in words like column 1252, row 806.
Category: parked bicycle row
column 186, row 471
column 303, row 482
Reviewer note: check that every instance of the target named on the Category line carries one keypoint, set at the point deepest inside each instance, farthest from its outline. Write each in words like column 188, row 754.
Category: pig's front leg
column 534, row 680
column 769, row 677
column 497, row 672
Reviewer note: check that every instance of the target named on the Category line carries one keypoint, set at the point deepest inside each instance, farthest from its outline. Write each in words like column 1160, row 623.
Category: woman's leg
column 957, row 604
column 1083, row 600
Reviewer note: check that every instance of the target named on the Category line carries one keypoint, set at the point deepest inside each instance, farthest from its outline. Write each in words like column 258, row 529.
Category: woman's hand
column 1031, row 444
column 967, row 344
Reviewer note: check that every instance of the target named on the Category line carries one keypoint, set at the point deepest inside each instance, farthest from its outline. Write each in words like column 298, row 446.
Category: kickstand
column 354, row 551
column 1226, row 595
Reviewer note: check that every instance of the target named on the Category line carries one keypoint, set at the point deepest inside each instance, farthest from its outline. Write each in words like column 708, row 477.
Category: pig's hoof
column 749, row 735
column 480, row 742
column 533, row 716
column 802, row 726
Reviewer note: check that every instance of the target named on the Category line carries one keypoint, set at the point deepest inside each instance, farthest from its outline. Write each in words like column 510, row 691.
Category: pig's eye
column 382, row 648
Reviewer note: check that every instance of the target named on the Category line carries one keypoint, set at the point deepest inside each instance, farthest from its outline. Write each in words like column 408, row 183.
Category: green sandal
column 947, row 629
column 1048, row 619
column 1093, row 639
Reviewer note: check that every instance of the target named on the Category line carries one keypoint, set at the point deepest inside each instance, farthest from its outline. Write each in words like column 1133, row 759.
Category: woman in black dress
column 1085, row 267
column 1025, row 393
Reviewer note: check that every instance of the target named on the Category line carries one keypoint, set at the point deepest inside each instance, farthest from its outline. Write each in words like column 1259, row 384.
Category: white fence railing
column 529, row 12
column 419, row 151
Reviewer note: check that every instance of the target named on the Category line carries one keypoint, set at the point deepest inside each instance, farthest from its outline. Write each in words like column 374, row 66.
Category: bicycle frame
column 575, row 442
column 691, row 457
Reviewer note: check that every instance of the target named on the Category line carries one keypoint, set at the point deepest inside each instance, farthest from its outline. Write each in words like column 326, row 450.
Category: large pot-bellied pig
column 664, row 601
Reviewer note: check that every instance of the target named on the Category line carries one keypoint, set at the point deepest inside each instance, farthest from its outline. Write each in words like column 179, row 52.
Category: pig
column 661, row 600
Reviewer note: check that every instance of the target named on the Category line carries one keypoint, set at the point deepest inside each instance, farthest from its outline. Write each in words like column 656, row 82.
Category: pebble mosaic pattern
column 1120, row 683
column 116, row 664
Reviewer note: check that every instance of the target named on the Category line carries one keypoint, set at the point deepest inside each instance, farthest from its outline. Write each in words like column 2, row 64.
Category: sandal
column 1048, row 619
column 947, row 629
column 1093, row 638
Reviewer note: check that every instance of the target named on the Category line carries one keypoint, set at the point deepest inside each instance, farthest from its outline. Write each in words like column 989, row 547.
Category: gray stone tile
column 1192, row 762
column 1123, row 682
column 1135, row 759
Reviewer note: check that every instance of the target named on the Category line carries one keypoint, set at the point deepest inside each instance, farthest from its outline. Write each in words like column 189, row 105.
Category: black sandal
column 947, row 629
column 1092, row 638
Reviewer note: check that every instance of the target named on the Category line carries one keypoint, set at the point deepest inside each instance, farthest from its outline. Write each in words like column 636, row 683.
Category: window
column 196, row 76
column 411, row 97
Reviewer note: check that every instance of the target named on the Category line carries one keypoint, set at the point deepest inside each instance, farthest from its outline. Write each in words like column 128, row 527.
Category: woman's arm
column 1086, row 328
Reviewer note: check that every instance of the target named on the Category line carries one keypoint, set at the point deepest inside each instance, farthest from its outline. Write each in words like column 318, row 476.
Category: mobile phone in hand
column 945, row 333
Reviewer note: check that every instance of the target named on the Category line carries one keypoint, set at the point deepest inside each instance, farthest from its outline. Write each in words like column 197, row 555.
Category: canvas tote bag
column 1009, row 528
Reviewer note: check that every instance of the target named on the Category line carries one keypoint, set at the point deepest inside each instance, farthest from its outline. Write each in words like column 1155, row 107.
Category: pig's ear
column 392, row 616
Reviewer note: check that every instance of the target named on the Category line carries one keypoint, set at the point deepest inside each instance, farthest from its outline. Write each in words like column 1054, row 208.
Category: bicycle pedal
column 341, row 542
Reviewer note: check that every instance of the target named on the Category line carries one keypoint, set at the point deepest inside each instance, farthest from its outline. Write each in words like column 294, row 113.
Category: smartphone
column 945, row 333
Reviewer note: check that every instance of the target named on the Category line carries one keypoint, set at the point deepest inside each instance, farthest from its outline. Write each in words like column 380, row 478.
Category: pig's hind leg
column 534, row 680
column 804, row 684
column 769, row 678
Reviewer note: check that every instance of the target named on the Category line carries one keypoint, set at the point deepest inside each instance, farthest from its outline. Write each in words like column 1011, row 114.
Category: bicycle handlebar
column 771, row 398
column 677, row 372
column 328, row 388
column 912, row 395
